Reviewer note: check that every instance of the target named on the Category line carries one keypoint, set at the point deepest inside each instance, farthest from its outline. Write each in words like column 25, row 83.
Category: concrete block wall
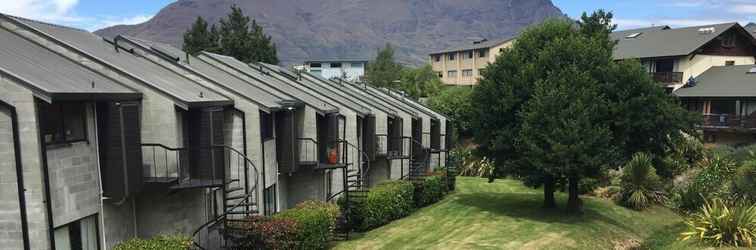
column 74, row 176
column 10, row 209
column 12, row 93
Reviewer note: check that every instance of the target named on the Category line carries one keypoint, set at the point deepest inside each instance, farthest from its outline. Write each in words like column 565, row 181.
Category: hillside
column 309, row 29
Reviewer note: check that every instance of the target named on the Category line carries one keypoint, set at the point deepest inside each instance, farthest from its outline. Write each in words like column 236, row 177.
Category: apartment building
column 114, row 139
column 461, row 65
column 352, row 69
column 674, row 56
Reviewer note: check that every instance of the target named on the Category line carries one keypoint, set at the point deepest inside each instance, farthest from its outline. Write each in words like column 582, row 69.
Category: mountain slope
column 312, row 29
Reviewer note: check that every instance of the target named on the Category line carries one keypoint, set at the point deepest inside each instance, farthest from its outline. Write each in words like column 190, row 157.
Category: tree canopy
column 384, row 72
column 234, row 36
column 556, row 108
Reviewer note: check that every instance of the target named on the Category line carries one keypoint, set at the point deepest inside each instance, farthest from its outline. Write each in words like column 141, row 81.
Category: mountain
column 317, row 29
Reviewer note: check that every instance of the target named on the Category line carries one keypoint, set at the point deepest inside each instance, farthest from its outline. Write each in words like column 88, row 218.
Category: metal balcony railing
column 667, row 77
column 307, row 151
column 729, row 121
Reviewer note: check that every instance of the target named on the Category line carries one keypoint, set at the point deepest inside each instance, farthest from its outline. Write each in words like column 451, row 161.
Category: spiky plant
column 723, row 224
column 639, row 183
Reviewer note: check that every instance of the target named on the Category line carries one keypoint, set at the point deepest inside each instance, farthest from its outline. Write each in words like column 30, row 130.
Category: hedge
column 162, row 242
column 315, row 221
column 384, row 203
column 430, row 190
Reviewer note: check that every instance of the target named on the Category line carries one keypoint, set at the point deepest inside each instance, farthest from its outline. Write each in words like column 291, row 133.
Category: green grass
column 507, row 215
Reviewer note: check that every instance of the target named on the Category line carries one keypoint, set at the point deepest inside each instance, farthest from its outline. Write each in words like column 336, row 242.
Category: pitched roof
column 217, row 76
column 723, row 81
column 474, row 45
column 384, row 93
column 365, row 91
column 418, row 105
column 662, row 41
column 286, row 75
column 349, row 93
column 750, row 27
column 271, row 84
column 186, row 92
column 53, row 77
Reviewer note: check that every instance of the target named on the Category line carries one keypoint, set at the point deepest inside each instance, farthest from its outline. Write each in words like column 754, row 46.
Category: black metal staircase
column 230, row 184
column 355, row 188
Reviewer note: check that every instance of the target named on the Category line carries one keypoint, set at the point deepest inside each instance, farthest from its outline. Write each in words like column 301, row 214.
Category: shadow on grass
column 530, row 207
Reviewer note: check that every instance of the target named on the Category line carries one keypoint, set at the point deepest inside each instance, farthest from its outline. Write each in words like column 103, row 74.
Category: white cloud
column 744, row 8
column 63, row 12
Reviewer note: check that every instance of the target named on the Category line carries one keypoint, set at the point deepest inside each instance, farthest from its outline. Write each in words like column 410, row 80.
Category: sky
column 95, row 14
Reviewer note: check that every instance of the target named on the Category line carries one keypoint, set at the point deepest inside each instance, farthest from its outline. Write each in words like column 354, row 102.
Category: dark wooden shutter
column 417, row 134
column 435, row 135
column 205, row 132
column 120, row 149
column 449, row 135
column 332, row 128
column 285, row 141
column 368, row 136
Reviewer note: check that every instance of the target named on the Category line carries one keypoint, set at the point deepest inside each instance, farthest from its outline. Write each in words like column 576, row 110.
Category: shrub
column 163, row 242
column 639, row 183
column 260, row 232
column 712, row 181
column 588, row 185
column 315, row 223
column 721, row 223
column 429, row 191
column 385, row 202
column 744, row 183
column 608, row 192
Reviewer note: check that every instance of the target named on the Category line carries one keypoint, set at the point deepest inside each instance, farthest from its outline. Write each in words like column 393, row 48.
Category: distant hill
column 312, row 29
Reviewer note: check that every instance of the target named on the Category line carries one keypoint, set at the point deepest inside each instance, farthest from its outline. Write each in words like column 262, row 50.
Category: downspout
column 46, row 181
column 262, row 147
column 99, row 176
column 19, row 175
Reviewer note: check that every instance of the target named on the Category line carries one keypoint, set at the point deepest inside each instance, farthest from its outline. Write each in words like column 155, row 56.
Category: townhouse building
column 111, row 139
column 461, row 65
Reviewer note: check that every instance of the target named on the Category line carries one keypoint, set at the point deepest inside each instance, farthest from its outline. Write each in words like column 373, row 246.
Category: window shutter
column 206, row 131
column 368, row 136
column 120, row 149
column 285, row 141
column 333, row 128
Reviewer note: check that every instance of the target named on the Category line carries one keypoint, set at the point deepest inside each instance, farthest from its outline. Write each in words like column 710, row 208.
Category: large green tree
column 454, row 102
column 420, row 82
column 556, row 108
column 234, row 36
column 384, row 71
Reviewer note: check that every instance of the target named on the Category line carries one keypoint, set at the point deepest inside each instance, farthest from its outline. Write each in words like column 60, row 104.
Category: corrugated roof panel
column 285, row 75
column 52, row 73
column 239, row 86
column 274, row 83
column 349, row 93
column 156, row 76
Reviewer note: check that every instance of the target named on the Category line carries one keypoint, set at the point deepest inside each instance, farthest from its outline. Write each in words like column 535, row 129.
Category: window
column 357, row 65
column 452, row 56
column 722, row 107
column 469, row 54
column 63, row 122
column 694, row 106
column 483, row 53
column 316, row 72
column 266, row 126
column 335, row 65
column 729, row 63
column 728, row 40
column 452, row 73
column 467, row 73
column 315, row 65
column 271, row 202
column 437, row 58
column 667, row 65
column 439, row 74
column 78, row 235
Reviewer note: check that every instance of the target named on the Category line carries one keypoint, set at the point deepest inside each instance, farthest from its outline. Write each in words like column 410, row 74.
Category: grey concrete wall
column 379, row 172
column 117, row 222
column 303, row 185
column 10, row 209
column 160, row 212
column 23, row 99
column 74, row 172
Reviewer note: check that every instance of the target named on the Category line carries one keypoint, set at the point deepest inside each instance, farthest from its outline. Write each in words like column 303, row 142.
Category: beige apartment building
column 462, row 65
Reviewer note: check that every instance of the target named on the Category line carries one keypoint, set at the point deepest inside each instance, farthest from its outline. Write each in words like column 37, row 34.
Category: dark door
column 368, row 136
column 119, row 134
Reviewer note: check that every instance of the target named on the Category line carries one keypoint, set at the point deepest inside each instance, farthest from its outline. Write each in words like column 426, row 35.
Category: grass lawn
column 507, row 215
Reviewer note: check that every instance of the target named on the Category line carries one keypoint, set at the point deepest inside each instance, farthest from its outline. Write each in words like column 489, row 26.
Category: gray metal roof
column 664, row 42
column 348, row 93
column 54, row 77
column 751, row 27
column 291, row 77
column 187, row 92
column 365, row 92
column 273, row 84
column 723, row 81
column 224, row 79
column 474, row 46
column 418, row 105
column 381, row 93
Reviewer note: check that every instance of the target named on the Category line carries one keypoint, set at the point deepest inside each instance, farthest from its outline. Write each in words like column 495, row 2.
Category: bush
column 260, row 232
column 721, row 223
column 429, row 191
column 744, row 183
column 385, row 202
column 639, row 183
column 315, row 222
column 163, row 242
column 712, row 181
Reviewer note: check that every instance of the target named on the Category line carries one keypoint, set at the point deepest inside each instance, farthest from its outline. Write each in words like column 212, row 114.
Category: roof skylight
column 633, row 35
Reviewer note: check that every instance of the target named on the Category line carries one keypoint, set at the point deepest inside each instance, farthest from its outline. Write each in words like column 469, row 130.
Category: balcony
column 667, row 77
column 728, row 121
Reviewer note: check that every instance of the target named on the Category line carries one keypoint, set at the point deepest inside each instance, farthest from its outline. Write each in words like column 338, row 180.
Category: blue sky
column 95, row 14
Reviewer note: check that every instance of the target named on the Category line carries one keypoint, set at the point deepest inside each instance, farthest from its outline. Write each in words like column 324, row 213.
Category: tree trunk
column 574, row 204
column 549, row 187
column 491, row 178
